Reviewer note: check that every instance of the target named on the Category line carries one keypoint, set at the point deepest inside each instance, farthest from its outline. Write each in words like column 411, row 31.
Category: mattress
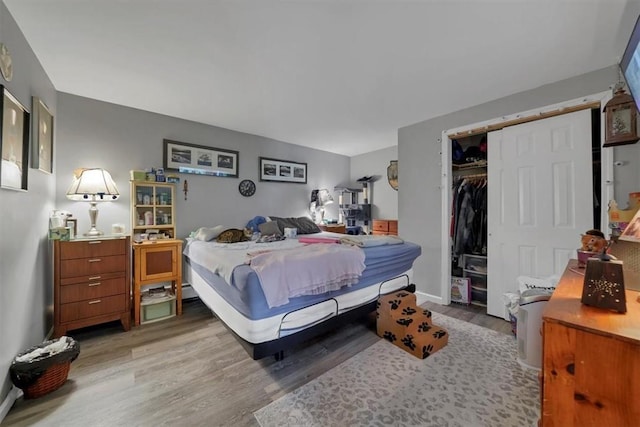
column 265, row 329
column 242, row 306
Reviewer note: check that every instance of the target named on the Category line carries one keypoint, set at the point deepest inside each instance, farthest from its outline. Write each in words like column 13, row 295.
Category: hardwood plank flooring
column 190, row 371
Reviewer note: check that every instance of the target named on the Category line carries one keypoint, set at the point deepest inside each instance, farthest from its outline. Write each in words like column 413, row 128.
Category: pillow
column 255, row 223
column 207, row 234
column 269, row 227
column 303, row 224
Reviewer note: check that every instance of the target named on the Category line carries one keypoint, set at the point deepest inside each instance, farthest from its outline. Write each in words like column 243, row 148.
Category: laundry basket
column 43, row 368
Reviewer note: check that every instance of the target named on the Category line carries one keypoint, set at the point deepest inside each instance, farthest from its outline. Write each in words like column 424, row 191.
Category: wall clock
column 247, row 187
column 6, row 65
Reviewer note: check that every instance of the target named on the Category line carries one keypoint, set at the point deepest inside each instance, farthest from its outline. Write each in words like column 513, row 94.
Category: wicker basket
column 51, row 380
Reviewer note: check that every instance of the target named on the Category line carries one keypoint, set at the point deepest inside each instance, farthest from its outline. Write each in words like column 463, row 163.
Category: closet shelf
column 472, row 165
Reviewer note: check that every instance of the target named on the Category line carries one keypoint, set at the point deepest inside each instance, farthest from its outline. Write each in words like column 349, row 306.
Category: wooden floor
column 190, row 371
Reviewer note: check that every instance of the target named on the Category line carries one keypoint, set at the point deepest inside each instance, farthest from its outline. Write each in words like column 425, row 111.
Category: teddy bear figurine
column 593, row 241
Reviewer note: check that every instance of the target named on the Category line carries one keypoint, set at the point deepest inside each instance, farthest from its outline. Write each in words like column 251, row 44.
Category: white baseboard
column 422, row 297
column 8, row 402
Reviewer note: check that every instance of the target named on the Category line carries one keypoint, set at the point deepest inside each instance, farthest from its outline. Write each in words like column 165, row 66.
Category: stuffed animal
column 593, row 241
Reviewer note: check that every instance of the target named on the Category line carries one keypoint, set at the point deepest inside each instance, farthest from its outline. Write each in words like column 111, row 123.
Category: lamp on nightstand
column 92, row 185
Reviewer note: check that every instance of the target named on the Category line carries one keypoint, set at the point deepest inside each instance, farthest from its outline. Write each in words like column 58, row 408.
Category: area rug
column 474, row 381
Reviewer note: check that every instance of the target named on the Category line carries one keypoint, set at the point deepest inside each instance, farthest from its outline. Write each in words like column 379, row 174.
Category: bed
column 233, row 290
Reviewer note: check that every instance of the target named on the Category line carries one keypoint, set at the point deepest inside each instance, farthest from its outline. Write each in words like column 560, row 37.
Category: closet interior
column 468, row 225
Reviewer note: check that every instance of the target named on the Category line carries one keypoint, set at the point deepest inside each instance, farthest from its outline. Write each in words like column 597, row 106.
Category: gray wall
column 99, row 134
column 384, row 199
column 420, row 206
column 25, row 267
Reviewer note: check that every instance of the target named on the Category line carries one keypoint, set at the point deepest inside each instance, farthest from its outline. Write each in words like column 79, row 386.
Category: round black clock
column 247, row 187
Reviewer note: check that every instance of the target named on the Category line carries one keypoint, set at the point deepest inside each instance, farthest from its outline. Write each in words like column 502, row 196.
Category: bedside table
column 334, row 228
column 92, row 283
column 153, row 262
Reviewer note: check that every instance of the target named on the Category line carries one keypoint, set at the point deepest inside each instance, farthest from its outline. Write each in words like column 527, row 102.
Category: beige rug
column 473, row 381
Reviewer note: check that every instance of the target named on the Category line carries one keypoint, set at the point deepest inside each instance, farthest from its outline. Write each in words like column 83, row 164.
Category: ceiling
column 336, row 75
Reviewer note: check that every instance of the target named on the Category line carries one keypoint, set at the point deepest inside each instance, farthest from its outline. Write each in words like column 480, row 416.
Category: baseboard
column 8, row 402
column 422, row 297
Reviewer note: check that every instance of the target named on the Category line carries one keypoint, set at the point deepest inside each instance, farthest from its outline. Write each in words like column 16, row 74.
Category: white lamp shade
column 92, row 182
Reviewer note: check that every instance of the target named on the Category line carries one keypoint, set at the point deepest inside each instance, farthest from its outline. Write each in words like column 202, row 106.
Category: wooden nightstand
column 153, row 262
column 334, row 228
column 91, row 283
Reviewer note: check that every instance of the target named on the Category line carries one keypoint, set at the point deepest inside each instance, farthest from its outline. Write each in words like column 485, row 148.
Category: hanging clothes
column 468, row 228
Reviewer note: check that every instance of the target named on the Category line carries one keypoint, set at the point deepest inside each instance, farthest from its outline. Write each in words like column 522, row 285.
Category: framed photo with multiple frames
column 15, row 143
column 282, row 171
column 199, row 159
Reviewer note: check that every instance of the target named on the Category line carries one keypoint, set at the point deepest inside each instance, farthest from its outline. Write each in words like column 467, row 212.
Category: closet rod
column 526, row 119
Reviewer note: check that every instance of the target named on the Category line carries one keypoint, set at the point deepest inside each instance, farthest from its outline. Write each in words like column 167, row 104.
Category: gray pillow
column 268, row 228
column 303, row 224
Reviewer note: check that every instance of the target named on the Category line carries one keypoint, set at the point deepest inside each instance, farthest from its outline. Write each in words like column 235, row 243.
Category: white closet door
column 540, row 200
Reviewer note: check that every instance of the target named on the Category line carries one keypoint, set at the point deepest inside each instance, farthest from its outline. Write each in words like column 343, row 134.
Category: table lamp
column 92, row 185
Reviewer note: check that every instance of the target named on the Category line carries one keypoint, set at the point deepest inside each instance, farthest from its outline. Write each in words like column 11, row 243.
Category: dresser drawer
column 380, row 225
column 92, row 307
column 92, row 266
column 393, row 227
column 92, row 290
column 92, row 248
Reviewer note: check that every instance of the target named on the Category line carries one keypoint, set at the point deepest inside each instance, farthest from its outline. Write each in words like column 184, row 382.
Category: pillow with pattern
column 303, row 224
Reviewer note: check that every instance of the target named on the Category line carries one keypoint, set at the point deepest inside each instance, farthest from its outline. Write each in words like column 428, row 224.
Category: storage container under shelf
column 475, row 269
column 156, row 309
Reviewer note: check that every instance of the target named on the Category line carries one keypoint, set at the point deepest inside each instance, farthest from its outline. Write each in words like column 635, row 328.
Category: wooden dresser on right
column 385, row 227
column 591, row 359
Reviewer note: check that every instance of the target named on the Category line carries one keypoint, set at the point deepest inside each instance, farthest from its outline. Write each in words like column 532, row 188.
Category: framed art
column 42, row 144
column 282, row 171
column 72, row 224
column 15, row 143
column 199, row 159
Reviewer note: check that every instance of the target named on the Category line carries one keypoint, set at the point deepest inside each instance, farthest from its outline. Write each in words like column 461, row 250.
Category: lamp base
column 93, row 233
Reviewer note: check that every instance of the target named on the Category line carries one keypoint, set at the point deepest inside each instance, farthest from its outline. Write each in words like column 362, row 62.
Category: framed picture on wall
column 199, row 159
column 42, row 145
column 15, row 143
column 282, row 171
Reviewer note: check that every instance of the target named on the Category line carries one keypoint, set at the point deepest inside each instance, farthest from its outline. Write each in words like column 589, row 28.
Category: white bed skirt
column 271, row 328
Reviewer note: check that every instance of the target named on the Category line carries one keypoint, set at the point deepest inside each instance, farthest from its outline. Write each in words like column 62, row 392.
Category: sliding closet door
column 540, row 200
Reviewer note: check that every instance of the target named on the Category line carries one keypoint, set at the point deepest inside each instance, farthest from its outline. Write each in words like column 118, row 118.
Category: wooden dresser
column 92, row 283
column 334, row 228
column 591, row 359
column 385, row 227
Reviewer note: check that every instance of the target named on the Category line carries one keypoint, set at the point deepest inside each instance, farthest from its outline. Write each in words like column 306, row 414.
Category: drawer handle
column 94, row 278
column 95, row 301
column 95, row 260
column 94, row 284
column 94, row 242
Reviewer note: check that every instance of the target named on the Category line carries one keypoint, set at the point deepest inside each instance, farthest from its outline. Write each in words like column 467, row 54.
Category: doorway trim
column 585, row 102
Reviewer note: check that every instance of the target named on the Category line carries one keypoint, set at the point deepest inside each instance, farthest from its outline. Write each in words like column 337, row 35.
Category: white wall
column 384, row 199
column 26, row 290
column 117, row 138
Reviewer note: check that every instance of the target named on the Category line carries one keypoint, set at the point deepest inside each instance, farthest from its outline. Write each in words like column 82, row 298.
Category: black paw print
column 408, row 310
column 404, row 322
column 389, row 336
column 427, row 314
column 426, row 351
column 408, row 342
column 378, row 304
column 395, row 303
column 401, row 294
column 424, row 327
column 439, row 334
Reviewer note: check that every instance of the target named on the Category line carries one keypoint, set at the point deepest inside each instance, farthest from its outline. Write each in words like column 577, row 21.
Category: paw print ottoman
column 408, row 326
